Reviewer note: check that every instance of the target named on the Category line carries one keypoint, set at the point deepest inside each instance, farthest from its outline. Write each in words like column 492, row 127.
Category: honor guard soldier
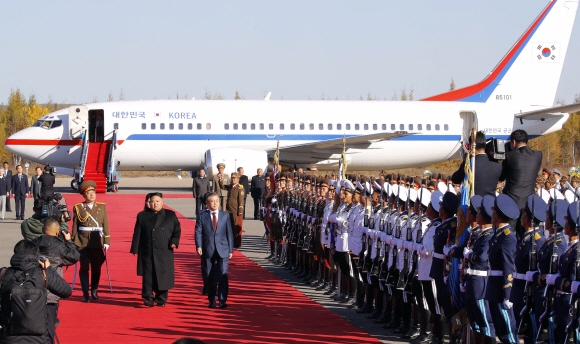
column 91, row 235
column 356, row 235
column 235, row 206
column 325, row 233
column 533, row 214
column 501, row 263
column 341, row 240
column 219, row 181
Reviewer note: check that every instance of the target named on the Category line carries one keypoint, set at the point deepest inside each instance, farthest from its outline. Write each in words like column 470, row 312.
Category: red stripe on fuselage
column 51, row 143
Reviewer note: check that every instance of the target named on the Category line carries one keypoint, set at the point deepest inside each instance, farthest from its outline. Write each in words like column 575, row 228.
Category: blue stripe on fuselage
column 291, row 137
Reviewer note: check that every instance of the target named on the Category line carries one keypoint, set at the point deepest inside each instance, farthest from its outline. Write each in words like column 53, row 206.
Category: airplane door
column 469, row 119
column 78, row 119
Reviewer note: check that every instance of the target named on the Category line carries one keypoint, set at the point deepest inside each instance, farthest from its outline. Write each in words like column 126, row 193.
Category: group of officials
column 406, row 250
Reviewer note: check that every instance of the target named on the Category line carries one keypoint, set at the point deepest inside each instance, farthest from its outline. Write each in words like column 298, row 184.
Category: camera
column 50, row 169
column 42, row 258
column 55, row 209
column 496, row 148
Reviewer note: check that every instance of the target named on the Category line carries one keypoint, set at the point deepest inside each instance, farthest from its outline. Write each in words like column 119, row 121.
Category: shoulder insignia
column 486, row 233
column 405, row 217
column 506, row 231
column 100, row 203
column 537, row 236
column 240, row 186
column 558, row 240
column 424, row 219
column 510, row 277
column 242, row 192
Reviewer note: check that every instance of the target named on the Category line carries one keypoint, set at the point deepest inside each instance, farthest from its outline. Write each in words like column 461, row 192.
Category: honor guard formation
column 424, row 260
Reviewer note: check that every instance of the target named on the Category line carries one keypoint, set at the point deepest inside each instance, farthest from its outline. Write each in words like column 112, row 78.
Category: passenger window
column 189, row 126
column 271, row 126
column 292, row 126
column 162, row 126
column 143, row 126
column 393, row 127
column 348, row 126
column 199, row 126
column 244, row 126
column 261, row 126
column 207, row 126
column 401, row 127
column 320, row 126
column 311, row 126
column 429, row 127
column 152, row 126
column 171, row 126
column 235, row 126
column 116, row 126
column 410, row 127
column 339, row 126
column 301, row 126
column 357, row 126
column 384, row 127
column 180, row 126
column 375, row 127
column 253, row 126
column 281, row 126
column 437, row 127
column 446, row 127
column 419, row 126
column 226, row 126
column 329, row 126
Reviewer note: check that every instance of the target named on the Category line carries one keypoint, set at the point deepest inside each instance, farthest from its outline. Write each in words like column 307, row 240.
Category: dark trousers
column 257, row 207
column 199, row 206
column 91, row 258
column 217, row 279
column 8, row 202
column 244, row 212
column 51, row 312
column 504, row 323
column 19, row 204
column 150, row 288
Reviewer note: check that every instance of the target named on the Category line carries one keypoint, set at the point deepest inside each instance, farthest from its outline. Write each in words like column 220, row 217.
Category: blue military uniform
column 566, row 266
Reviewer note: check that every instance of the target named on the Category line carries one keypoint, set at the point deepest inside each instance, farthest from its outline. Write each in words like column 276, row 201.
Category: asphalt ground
column 253, row 246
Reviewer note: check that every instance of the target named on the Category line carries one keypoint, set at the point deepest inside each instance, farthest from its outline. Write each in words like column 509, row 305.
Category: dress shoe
column 366, row 309
column 308, row 278
column 402, row 329
column 322, row 286
column 149, row 303
column 94, row 294
column 223, row 305
column 412, row 333
column 160, row 304
column 331, row 290
column 316, row 282
column 375, row 315
column 270, row 256
column 211, row 305
column 394, row 323
column 346, row 298
column 86, row 298
column 422, row 339
column 384, row 318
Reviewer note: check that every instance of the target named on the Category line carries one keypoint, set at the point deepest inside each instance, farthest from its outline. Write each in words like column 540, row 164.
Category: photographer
column 47, row 183
column 28, row 271
column 32, row 227
column 56, row 245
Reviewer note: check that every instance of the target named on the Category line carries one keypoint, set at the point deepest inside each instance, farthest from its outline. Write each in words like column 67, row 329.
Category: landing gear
column 113, row 187
column 74, row 185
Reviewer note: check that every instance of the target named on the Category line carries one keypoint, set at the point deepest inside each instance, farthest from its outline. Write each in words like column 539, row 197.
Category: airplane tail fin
column 529, row 73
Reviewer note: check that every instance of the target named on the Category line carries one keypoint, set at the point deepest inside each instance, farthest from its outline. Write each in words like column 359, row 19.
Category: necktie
column 214, row 221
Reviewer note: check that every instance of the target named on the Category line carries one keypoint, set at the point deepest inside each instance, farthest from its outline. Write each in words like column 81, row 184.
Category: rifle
column 571, row 333
column 549, row 291
column 403, row 275
column 528, row 321
column 375, row 271
column 383, row 274
column 418, row 239
column 395, row 251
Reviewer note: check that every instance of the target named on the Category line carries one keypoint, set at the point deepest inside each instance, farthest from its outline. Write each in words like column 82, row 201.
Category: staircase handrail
column 84, row 154
column 112, row 167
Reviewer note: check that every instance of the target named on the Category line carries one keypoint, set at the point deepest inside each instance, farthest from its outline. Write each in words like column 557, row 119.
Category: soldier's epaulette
column 404, row 217
column 240, row 186
column 424, row 219
column 506, row 231
column 100, row 203
column 558, row 240
column 453, row 223
column 537, row 236
column 485, row 233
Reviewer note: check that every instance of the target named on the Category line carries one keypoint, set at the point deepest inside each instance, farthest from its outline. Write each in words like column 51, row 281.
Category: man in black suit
column 8, row 177
column 243, row 182
column 257, row 189
column 200, row 188
column 155, row 237
column 20, row 190
column 47, row 184
column 520, row 169
column 35, row 184
column 487, row 171
column 214, row 240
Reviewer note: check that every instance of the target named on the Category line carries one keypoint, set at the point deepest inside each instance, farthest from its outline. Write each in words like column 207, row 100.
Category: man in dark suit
column 520, row 169
column 47, row 184
column 244, row 182
column 35, row 184
column 487, row 171
column 156, row 235
column 200, row 188
column 8, row 177
column 257, row 190
column 214, row 240
column 20, row 190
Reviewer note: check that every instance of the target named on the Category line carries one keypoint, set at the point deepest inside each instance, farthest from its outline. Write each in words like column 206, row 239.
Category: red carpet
column 262, row 308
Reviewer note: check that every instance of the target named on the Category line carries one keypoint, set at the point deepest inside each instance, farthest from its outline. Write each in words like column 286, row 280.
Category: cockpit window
column 46, row 124
column 56, row 123
column 37, row 123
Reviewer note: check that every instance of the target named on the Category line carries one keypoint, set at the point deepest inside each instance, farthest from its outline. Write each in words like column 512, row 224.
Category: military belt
column 520, row 276
column 474, row 272
column 438, row 255
column 496, row 273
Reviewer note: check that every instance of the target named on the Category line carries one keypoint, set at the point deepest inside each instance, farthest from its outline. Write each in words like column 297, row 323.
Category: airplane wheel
column 74, row 185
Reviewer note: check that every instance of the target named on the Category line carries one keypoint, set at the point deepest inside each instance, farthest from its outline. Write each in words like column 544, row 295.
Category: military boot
column 85, row 286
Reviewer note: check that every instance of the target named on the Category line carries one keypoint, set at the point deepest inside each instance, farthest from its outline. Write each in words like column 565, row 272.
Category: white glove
column 462, row 287
column 447, row 249
column 106, row 247
column 445, row 279
column 507, row 304
column 574, row 288
column 421, row 250
column 551, row 278
column 530, row 276
column 467, row 252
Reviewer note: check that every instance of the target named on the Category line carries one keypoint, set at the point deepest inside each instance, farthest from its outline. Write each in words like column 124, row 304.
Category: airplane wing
column 322, row 150
column 548, row 112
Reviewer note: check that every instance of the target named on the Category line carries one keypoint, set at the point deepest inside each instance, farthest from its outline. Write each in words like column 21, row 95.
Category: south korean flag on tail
column 546, row 52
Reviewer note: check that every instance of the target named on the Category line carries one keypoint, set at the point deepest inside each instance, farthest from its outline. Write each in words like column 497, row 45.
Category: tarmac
column 253, row 246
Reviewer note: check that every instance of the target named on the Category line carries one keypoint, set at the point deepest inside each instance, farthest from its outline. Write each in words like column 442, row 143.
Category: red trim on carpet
column 262, row 307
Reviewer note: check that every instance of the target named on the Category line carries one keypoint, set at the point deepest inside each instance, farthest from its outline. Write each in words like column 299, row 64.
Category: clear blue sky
column 76, row 51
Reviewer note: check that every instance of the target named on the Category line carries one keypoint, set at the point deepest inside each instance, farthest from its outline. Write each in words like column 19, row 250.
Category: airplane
column 174, row 135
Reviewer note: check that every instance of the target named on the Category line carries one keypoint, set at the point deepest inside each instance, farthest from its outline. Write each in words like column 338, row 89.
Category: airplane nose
column 18, row 143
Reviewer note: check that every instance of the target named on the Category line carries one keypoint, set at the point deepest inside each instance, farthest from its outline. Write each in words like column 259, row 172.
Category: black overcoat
column 152, row 244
